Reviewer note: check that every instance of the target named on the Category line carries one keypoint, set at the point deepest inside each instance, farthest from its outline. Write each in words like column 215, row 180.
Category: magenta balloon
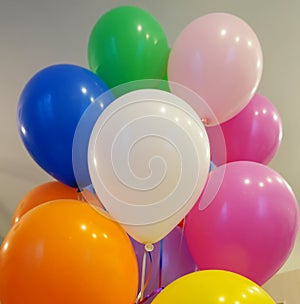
column 220, row 58
column 249, row 226
column 254, row 134
column 176, row 259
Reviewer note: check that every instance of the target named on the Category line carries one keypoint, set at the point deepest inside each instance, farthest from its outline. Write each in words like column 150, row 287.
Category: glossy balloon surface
column 65, row 252
column 148, row 161
column 49, row 109
column 213, row 287
column 126, row 44
column 253, row 134
column 219, row 57
column 245, row 221
column 42, row 194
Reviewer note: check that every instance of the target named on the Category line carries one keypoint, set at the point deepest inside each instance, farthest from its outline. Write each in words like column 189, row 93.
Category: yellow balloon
column 213, row 287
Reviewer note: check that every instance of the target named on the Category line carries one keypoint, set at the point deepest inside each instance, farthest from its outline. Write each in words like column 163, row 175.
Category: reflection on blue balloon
column 49, row 109
column 82, row 136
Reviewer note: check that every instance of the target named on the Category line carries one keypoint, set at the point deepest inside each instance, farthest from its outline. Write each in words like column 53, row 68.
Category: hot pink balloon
column 248, row 226
column 254, row 134
column 219, row 57
column 176, row 259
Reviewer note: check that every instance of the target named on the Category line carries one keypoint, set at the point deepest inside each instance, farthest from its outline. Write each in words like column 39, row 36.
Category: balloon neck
column 149, row 247
column 205, row 121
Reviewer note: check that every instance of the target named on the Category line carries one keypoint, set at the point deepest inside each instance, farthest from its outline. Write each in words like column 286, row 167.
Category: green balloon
column 128, row 44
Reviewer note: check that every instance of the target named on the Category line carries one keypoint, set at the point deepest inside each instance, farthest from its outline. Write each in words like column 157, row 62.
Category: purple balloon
column 254, row 134
column 248, row 226
column 176, row 260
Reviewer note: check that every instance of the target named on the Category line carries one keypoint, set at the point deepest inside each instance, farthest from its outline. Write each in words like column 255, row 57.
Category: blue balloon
column 50, row 107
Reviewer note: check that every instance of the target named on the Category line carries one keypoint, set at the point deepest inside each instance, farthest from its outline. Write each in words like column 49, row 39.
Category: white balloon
column 148, row 159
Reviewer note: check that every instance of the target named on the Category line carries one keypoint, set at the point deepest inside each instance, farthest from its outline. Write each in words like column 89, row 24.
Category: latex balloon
column 42, row 194
column 65, row 252
column 148, row 159
column 49, row 109
column 237, row 227
column 169, row 260
column 126, row 44
column 82, row 136
column 254, row 134
column 219, row 57
column 213, row 287
column 87, row 121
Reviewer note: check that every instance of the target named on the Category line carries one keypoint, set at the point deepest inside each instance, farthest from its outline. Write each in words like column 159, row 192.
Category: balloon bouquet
column 130, row 144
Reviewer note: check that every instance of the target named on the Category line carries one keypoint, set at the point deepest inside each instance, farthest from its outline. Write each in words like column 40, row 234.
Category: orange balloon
column 44, row 193
column 66, row 252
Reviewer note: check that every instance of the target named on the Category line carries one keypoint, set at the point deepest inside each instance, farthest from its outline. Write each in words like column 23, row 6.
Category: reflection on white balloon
column 148, row 159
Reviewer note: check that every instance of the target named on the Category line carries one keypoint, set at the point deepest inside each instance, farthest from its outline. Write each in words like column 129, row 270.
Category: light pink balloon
column 249, row 227
column 220, row 58
column 254, row 134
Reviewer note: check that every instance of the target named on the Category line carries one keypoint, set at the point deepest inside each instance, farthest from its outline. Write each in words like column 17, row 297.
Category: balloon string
column 181, row 239
column 160, row 264
column 138, row 299
column 182, row 234
column 150, row 271
column 148, row 248
column 183, row 225
column 143, row 274
column 152, row 294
